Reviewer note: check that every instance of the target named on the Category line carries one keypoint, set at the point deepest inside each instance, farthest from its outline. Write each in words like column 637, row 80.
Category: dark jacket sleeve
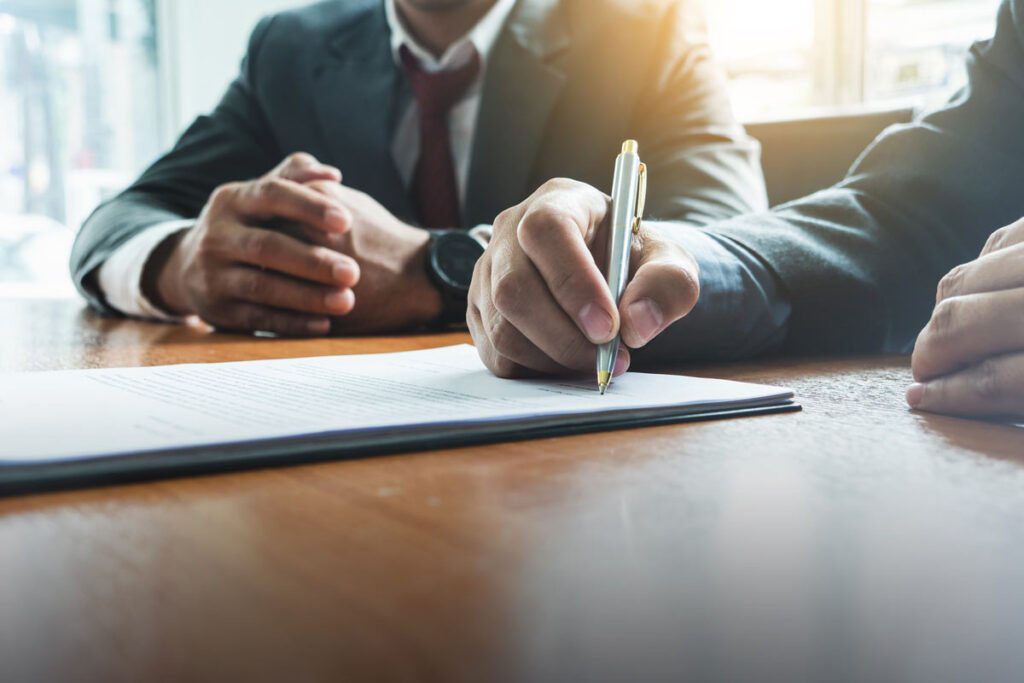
column 703, row 166
column 860, row 261
column 234, row 142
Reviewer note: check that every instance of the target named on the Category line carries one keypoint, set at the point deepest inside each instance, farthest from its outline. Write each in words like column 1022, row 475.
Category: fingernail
column 915, row 395
column 645, row 318
column 320, row 327
column 337, row 301
column 596, row 323
column 621, row 363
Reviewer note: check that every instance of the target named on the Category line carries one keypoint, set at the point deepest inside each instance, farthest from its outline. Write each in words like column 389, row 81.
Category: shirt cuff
column 120, row 277
column 743, row 308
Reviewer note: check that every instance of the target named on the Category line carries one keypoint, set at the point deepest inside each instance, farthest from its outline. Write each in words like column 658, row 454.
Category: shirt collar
column 482, row 37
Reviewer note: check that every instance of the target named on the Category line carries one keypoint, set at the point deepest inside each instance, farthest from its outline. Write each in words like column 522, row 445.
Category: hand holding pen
column 540, row 304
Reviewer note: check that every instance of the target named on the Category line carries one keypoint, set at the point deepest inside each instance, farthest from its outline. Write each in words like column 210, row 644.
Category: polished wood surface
column 852, row 541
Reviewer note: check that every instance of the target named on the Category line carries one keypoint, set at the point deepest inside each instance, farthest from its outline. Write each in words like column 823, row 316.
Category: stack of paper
column 59, row 426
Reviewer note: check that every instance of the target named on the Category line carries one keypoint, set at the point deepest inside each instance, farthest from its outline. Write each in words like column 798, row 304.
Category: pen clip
column 641, row 199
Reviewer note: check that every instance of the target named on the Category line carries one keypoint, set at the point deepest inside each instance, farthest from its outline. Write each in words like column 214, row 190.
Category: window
column 83, row 107
column 789, row 57
column 80, row 109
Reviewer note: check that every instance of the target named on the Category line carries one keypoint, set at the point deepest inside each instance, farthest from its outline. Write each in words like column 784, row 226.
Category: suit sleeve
column 235, row 142
column 703, row 166
column 859, row 262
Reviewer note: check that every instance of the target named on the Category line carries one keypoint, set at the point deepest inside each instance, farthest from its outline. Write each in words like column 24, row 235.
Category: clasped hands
column 334, row 258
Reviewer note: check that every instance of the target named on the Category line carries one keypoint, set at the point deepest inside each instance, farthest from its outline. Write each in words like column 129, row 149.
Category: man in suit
column 432, row 114
column 850, row 269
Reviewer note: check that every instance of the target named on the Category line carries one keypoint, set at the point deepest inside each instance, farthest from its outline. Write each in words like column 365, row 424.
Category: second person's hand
column 235, row 274
column 539, row 303
column 969, row 359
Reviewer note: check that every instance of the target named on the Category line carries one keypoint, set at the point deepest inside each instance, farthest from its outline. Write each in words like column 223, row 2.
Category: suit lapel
column 523, row 85
column 357, row 89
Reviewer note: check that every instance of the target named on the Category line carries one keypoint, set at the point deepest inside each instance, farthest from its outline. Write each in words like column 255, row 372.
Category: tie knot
column 436, row 93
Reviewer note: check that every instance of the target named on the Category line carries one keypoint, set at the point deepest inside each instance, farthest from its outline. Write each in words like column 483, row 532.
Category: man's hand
column 236, row 275
column 969, row 360
column 539, row 302
column 394, row 292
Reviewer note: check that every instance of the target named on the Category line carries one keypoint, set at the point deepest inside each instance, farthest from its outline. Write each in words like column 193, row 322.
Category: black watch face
column 454, row 257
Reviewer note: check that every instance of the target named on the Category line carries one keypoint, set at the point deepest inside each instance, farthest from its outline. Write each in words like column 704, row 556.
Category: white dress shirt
column 120, row 277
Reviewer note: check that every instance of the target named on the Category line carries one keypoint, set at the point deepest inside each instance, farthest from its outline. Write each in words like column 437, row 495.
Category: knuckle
column 504, row 336
column 998, row 239
column 531, row 229
column 257, row 246
column 988, row 384
column 322, row 186
column 211, row 246
column 300, row 159
column 683, row 279
column 223, row 195
column 320, row 260
column 558, row 185
column 544, row 219
column 506, row 294
column 950, row 285
column 945, row 317
column 505, row 220
column 272, row 188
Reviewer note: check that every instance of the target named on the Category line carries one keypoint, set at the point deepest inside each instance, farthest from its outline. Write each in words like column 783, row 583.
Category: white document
column 54, row 417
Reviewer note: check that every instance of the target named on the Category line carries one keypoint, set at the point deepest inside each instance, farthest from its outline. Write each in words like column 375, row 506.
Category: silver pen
column 629, row 194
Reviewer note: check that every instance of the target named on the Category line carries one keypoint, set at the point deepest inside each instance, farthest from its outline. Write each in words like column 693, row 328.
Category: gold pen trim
column 641, row 199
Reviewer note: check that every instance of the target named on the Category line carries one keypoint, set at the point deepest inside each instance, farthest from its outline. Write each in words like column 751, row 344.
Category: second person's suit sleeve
column 860, row 262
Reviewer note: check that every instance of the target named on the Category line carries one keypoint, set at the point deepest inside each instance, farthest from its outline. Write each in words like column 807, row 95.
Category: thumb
column 664, row 288
column 305, row 168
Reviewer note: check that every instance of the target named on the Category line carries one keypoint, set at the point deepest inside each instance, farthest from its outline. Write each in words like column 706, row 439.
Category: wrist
column 162, row 282
column 426, row 299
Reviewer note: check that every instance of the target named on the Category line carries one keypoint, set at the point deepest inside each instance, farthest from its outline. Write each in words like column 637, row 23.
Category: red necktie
column 434, row 187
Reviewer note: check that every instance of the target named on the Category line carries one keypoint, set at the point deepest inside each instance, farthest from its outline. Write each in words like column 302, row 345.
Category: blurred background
column 92, row 90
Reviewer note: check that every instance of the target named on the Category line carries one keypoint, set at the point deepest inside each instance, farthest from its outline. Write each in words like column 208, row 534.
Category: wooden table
column 853, row 541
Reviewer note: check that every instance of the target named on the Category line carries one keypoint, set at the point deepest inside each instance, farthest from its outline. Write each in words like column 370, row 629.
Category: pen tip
column 603, row 388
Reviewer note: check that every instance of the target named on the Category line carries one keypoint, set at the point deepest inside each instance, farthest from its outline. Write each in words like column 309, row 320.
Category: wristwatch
column 451, row 258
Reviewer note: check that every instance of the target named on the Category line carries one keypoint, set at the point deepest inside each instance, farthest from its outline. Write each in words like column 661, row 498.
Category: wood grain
column 853, row 541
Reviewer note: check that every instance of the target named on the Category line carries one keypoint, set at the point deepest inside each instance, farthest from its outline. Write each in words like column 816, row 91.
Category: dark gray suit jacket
column 567, row 82
column 860, row 262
